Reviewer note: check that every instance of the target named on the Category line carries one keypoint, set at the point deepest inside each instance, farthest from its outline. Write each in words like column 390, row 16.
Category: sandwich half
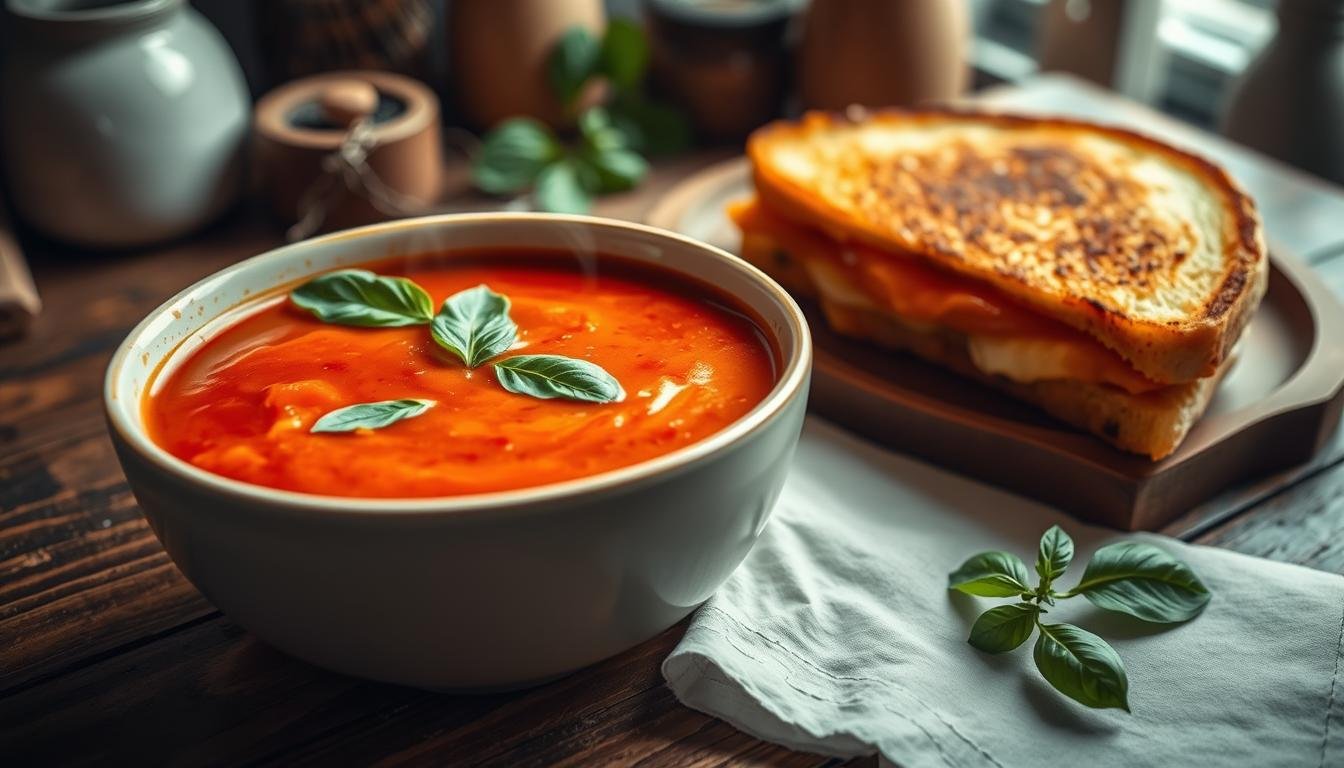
column 1096, row 273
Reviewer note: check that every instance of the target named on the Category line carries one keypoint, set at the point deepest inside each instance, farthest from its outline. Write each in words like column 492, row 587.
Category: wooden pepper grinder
column 880, row 53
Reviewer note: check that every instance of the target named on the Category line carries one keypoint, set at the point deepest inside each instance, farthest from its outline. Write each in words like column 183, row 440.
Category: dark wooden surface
column 108, row 655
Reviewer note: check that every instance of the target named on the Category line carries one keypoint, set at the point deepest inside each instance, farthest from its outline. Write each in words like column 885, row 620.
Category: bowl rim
column 791, row 384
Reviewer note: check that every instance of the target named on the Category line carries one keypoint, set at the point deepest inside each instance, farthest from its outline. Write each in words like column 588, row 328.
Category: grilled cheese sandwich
column 1101, row 275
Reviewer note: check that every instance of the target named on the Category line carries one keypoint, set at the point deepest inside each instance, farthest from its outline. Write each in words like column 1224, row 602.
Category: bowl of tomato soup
column 463, row 452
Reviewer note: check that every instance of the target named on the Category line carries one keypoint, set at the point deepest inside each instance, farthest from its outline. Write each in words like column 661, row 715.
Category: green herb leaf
column 571, row 63
column 474, row 325
column 513, row 155
column 1002, row 629
column 370, row 415
column 359, row 297
column 1082, row 666
column 648, row 126
column 548, row 376
column 1054, row 555
column 617, row 169
column 559, row 189
column 1143, row 581
column 598, row 132
column 625, row 53
column 991, row 574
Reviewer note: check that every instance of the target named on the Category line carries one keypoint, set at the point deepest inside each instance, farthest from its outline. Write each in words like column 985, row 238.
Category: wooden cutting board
column 1276, row 407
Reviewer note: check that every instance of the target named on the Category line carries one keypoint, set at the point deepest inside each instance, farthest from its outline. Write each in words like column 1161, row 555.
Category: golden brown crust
column 1047, row 210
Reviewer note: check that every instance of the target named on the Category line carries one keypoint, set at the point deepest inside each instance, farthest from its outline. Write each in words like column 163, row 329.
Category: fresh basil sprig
column 549, row 376
column 474, row 325
column 370, row 415
column 359, row 297
column 1129, row 577
column 521, row 154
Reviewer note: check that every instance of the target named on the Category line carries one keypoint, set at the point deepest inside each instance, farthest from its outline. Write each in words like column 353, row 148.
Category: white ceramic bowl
column 471, row 592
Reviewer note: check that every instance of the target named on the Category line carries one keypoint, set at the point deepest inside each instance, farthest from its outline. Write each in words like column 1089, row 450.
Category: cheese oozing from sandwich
column 1002, row 337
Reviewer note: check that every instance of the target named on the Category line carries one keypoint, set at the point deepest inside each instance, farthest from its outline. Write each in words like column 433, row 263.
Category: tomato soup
column 246, row 404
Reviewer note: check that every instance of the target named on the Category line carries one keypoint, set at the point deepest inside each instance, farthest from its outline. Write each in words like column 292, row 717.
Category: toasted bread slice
column 1151, row 423
column 1156, row 253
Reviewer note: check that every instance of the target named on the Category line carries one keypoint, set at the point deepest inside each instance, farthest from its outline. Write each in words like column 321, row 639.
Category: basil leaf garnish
column 1054, row 555
column 1143, row 581
column 359, row 297
column 991, row 574
column 548, row 376
column 1002, row 629
column 1082, row 666
column 370, row 415
column 474, row 325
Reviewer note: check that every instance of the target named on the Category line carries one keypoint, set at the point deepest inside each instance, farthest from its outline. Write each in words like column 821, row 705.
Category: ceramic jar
column 124, row 123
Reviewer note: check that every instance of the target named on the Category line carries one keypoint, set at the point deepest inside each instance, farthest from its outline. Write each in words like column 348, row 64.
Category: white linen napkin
column 838, row 635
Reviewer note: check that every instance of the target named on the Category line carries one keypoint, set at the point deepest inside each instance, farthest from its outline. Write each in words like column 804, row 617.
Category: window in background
column 1178, row 55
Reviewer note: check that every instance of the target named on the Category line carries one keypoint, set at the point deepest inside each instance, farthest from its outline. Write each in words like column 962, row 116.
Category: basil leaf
column 1143, row 581
column 648, row 126
column 625, row 53
column 1054, row 555
column 1082, row 666
column 474, row 325
column 599, row 133
column 617, row 169
column 573, row 60
column 990, row 574
column 548, row 376
column 359, row 297
column 512, row 156
column 1002, row 629
column 560, row 191
column 370, row 415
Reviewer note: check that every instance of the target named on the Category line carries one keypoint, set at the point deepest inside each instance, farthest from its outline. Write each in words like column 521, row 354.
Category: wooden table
column 108, row 655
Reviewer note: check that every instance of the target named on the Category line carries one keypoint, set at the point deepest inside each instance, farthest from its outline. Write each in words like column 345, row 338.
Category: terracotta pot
column 499, row 51
column 881, row 53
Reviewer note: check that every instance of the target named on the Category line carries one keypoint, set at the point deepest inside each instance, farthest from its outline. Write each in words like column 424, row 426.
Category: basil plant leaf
column 550, row 376
column 474, row 325
column 599, row 133
column 617, row 169
column 991, row 574
column 560, row 190
column 1002, row 629
column 625, row 53
column 1143, row 581
column 1082, row 666
column 370, row 415
column 573, row 60
column 649, row 126
column 513, row 155
column 1054, row 555
column 359, row 297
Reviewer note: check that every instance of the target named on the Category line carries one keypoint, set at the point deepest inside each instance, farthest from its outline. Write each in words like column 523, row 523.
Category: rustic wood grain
column 108, row 655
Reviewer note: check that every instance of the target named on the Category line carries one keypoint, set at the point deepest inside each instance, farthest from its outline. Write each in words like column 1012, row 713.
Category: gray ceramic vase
column 124, row 123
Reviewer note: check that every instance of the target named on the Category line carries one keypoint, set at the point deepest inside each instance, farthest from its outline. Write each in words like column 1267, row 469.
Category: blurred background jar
column 881, row 53
column 725, row 63
column 498, row 51
column 305, row 37
column 1290, row 101
column 124, row 122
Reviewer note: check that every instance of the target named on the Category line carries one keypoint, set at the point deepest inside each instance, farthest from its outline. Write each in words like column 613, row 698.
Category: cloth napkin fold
column 838, row 635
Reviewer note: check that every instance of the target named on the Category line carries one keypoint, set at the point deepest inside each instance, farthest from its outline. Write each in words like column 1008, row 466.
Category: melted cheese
column 1003, row 338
